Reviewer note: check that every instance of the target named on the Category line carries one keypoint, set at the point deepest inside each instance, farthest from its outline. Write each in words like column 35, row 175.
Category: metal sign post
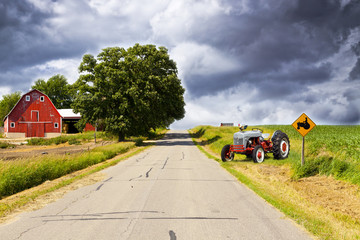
column 303, row 152
column 303, row 125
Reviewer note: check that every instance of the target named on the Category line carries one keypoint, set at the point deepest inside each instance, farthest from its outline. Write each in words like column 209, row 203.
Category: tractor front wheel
column 226, row 155
column 258, row 154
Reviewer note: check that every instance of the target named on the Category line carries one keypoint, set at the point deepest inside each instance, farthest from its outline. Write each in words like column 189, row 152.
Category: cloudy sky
column 240, row 61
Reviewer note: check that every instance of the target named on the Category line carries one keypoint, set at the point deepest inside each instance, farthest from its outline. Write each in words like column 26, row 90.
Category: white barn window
column 42, row 98
column 56, row 125
column 27, row 98
column 12, row 125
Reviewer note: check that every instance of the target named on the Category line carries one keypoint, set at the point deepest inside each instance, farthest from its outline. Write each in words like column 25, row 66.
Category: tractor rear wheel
column 226, row 155
column 258, row 154
column 281, row 145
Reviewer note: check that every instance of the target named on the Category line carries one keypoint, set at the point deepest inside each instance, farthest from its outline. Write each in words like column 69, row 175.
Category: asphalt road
column 171, row 191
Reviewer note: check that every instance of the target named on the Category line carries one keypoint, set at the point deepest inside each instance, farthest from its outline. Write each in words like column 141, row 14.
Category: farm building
column 35, row 115
column 69, row 119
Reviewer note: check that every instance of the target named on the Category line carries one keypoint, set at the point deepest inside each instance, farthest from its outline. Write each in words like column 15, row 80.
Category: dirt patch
column 327, row 192
column 331, row 194
column 25, row 151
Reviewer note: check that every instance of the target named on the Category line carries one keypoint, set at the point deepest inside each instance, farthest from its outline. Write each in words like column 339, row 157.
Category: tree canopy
column 7, row 103
column 57, row 89
column 131, row 90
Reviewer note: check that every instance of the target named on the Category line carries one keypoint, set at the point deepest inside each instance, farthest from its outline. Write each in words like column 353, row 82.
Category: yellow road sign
column 303, row 124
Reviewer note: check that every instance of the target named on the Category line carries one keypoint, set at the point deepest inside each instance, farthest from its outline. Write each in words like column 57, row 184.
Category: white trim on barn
column 68, row 113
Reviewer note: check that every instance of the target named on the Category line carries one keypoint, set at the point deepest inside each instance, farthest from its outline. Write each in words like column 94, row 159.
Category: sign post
column 303, row 125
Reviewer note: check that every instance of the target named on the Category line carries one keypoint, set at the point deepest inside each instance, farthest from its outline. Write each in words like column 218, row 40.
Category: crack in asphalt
column 147, row 173
column 102, row 184
column 140, row 158
column 140, row 218
column 135, row 178
column 108, row 179
column 30, row 229
column 165, row 163
column 98, row 188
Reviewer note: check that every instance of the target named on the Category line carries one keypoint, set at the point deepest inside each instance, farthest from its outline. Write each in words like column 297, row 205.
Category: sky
column 240, row 61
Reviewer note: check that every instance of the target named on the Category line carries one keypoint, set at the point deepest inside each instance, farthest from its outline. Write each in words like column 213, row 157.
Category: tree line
column 130, row 91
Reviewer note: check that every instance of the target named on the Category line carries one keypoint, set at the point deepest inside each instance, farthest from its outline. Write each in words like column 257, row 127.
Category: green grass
column 71, row 138
column 16, row 176
column 329, row 150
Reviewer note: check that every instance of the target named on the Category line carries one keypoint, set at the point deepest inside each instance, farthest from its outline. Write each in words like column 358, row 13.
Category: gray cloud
column 281, row 55
column 355, row 72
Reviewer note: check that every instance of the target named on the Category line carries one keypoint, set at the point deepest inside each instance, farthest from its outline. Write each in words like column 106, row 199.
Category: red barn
column 33, row 116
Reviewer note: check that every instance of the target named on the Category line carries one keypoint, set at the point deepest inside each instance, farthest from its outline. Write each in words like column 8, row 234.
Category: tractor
column 255, row 144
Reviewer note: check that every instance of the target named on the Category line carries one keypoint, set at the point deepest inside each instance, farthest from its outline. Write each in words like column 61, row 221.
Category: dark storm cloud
column 20, row 25
column 28, row 38
column 355, row 72
column 348, row 115
column 356, row 49
column 271, row 84
column 269, row 39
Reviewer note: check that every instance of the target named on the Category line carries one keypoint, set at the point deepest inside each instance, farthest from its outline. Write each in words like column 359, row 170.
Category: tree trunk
column 121, row 137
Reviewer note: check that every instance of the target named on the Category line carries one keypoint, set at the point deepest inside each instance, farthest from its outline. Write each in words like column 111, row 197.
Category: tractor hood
column 241, row 138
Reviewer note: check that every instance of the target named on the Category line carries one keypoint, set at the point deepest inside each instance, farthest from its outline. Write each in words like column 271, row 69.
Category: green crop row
column 16, row 176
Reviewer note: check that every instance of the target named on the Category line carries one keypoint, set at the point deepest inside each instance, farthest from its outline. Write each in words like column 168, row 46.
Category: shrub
column 73, row 141
column 6, row 145
column 139, row 142
column 37, row 141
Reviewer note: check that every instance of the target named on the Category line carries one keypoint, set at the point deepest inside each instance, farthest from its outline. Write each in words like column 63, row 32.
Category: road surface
column 171, row 191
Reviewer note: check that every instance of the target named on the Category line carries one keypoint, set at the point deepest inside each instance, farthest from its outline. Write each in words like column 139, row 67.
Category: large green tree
column 57, row 89
column 7, row 103
column 131, row 90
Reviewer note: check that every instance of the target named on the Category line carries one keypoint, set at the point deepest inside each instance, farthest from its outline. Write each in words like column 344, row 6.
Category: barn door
column 35, row 116
column 35, row 130
column 29, row 130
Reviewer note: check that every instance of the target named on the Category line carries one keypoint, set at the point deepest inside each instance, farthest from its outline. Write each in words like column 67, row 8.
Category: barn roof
column 69, row 114
column 32, row 90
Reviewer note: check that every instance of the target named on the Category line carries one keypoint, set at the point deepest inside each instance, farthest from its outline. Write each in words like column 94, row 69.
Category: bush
column 59, row 140
column 6, row 145
column 37, row 141
column 139, row 142
column 73, row 141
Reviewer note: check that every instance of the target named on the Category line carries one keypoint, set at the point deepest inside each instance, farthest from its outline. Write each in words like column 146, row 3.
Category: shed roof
column 69, row 114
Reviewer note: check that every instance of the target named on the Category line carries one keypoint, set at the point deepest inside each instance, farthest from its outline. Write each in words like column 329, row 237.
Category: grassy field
column 323, row 195
column 329, row 150
column 16, row 176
